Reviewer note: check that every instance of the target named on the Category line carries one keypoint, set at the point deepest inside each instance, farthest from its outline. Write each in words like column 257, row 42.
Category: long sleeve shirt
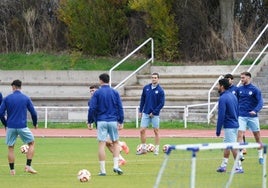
column 249, row 99
column 16, row 106
column 227, row 112
column 152, row 99
column 3, row 120
column 105, row 105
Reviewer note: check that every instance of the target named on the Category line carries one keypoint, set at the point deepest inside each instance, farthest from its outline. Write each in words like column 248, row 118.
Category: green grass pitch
column 58, row 160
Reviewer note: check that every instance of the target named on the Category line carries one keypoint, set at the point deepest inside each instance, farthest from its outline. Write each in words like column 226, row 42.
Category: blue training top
column 227, row 111
column 16, row 106
column 3, row 120
column 105, row 105
column 233, row 89
column 249, row 99
column 152, row 99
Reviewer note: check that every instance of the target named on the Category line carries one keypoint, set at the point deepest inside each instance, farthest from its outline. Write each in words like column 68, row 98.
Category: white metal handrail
column 129, row 55
column 46, row 108
column 185, row 111
column 239, row 63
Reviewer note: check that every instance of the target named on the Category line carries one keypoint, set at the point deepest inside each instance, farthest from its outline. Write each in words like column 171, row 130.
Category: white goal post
column 194, row 148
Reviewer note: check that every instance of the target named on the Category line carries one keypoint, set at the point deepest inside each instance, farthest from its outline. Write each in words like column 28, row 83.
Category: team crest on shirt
column 156, row 92
column 250, row 92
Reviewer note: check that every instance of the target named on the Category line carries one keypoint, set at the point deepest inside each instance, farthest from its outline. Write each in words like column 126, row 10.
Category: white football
column 24, row 149
column 165, row 148
column 83, row 175
column 139, row 147
column 150, row 147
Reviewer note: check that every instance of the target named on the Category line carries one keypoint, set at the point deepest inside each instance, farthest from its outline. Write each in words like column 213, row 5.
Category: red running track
column 183, row 133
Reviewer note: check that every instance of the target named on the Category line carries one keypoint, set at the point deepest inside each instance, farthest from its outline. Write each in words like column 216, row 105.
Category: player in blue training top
column 16, row 106
column 3, row 120
column 250, row 102
column 106, row 108
column 122, row 145
column 233, row 88
column 228, row 119
column 151, row 103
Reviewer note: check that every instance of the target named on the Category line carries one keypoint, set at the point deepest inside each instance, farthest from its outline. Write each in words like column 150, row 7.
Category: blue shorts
column 230, row 135
column 25, row 134
column 252, row 123
column 106, row 129
column 146, row 120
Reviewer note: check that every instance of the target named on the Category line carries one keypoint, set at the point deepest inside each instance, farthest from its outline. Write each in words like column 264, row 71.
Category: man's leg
column 240, row 140
column 29, row 156
column 156, row 140
column 11, row 160
column 101, row 155
column 143, row 141
column 244, row 140
column 145, row 120
column 260, row 150
column 156, row 123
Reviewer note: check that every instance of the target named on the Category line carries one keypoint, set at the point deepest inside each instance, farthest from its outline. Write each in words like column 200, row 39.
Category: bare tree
column 227, row 24
column 30, row 17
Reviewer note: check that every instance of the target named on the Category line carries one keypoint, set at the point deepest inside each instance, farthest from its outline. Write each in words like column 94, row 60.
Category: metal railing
column 210, row 111
column 83, row 111
column 45, row 110
column 151, row 59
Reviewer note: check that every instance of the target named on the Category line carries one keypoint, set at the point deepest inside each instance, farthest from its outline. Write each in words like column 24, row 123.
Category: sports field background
column 58, row 159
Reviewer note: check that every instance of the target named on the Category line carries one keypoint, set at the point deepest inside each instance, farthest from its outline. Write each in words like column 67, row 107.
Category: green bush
column 94, row 27
column 162, row 28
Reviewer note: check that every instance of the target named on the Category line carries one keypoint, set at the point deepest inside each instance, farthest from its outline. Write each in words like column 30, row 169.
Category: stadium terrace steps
column 260, row 80
column 184, row 85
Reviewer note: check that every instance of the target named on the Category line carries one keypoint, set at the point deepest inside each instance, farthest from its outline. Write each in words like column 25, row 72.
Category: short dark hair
column 225, row 83
column 155, row 73
column 16, row 83
column 229, row 76
column 104, row 77
column 94, row 86
column 246, row 74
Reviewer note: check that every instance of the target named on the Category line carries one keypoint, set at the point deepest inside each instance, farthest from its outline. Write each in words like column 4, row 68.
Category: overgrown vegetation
column 95, row 27
column 188, row 31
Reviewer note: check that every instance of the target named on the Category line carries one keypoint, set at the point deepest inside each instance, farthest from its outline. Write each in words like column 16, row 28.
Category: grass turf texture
column 76, row 61
column 58, row 160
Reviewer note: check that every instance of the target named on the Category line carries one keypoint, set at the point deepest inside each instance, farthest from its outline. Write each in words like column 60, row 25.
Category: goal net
column 195, row 165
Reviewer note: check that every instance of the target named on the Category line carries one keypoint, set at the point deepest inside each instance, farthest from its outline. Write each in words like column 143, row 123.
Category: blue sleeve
column 2, row 111
column 161, row 102
column 221, row 115
column 91, row 109
column 32, row 112
column 142, row 102
column 260, row 101
column 119, row 109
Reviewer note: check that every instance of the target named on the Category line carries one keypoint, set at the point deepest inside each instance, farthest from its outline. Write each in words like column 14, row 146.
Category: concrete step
column 179, row 79
column 171, row 100
column 52, row 91
column 192, row 70
column 175, row 90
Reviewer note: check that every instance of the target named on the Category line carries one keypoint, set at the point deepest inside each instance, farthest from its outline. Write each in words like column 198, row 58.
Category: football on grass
column 150, row 147
column 165, row 148
column 83, row 175
column 24, row 149
column 139, row 147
